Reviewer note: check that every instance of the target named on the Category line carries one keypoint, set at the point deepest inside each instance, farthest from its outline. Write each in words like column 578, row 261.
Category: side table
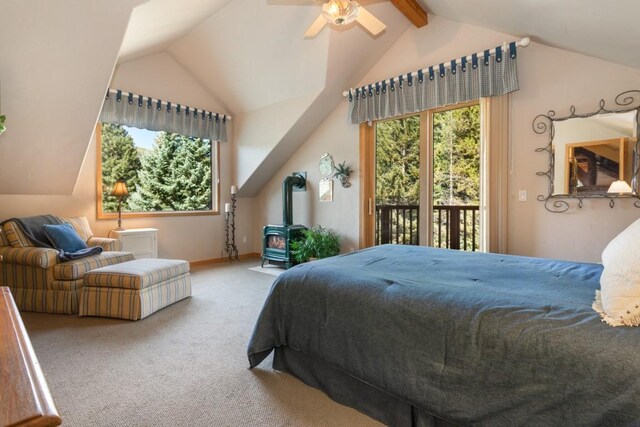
column 141, row 242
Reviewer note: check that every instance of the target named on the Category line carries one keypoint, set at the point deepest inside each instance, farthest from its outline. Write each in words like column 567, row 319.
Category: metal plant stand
column 230, row 250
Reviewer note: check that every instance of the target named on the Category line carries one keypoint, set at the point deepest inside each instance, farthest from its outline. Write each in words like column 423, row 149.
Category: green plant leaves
column 342, row 170
column 317, row 242
column 3, row 127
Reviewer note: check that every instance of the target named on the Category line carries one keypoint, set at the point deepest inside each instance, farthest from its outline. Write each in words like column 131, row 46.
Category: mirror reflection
column 591, row 153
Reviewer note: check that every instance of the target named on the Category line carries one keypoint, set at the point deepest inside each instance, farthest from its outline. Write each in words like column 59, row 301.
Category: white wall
column 258, row 132
column 549, row 79
column 161, row 75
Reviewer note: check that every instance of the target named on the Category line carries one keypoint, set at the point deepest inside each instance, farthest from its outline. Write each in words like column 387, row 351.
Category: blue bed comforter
column 473, row 338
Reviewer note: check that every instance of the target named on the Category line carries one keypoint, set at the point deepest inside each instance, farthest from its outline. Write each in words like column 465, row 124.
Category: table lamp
column 620, row 187
column 120, row 191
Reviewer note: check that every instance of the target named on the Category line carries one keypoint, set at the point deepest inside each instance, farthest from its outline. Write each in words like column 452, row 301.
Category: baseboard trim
column 242, row 257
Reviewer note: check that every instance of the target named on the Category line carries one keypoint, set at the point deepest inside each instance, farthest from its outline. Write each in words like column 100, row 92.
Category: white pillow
column 618, row 301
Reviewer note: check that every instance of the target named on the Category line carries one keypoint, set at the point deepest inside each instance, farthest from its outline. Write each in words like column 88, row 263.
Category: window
column 165, row 173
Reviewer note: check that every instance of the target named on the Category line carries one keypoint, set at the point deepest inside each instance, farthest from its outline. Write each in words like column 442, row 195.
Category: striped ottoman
column 134, row 289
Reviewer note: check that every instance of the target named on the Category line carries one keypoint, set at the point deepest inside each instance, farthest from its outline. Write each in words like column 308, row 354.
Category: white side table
column 141, row 242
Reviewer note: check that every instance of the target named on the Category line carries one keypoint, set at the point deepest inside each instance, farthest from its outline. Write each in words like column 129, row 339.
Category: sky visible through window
column 143, row 138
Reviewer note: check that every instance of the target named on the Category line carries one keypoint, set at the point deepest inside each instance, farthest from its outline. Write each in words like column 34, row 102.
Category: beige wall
column 337, row 138
column 549, row 79
column 193, row 238
column 56, row 59
column 553, row 79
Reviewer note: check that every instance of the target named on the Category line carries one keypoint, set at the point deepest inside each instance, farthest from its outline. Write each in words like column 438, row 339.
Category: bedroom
column 54, row 76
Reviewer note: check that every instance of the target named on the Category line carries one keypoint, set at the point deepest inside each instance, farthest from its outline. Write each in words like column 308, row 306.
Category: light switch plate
column 522, row 195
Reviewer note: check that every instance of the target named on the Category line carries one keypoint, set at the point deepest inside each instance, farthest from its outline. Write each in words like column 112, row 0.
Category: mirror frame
column 543, row 123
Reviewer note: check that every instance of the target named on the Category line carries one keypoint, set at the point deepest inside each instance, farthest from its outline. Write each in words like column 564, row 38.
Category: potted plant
column 317, row 242
column 343, row 172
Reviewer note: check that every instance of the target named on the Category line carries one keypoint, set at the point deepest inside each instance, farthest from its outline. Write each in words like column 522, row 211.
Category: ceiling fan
column 344, row 12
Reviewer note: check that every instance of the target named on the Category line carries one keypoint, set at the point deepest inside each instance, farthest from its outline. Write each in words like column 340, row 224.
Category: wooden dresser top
column 24, row 396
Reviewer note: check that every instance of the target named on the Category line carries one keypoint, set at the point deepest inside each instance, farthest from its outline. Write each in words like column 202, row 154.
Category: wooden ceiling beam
column 413, row 10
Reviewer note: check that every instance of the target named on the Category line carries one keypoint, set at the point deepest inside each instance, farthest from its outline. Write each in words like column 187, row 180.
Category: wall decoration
column 230, row 250
column 589, row 152
column 325, row 188
column 326, row 165
column 343, row 172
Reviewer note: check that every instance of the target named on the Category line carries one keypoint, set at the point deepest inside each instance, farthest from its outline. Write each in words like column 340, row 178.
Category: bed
column 413, row 335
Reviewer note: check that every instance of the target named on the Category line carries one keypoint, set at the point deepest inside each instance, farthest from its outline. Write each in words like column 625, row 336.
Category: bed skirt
column 350, row 391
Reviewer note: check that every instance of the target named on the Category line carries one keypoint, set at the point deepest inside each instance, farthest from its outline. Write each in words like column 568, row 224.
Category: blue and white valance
column 129, row 109
column 489, row 73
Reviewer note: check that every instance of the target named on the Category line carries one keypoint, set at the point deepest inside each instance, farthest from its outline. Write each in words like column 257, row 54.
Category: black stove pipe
column 287, row 197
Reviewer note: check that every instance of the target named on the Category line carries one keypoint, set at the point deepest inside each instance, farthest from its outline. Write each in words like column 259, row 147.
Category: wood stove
column 276, row 239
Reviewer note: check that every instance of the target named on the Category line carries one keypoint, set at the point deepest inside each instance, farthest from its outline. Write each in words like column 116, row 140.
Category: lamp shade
column 619, row 187
column 120, row 189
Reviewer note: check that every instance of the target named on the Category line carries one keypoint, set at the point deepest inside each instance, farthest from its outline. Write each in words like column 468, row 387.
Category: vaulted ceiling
column 603, row 29
column 249, row 54
column 252, row 56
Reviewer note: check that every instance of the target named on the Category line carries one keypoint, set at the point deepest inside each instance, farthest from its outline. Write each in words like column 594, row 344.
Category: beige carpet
column 185, row 365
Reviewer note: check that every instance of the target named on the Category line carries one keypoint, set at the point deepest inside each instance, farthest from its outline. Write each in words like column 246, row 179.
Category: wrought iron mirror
column 589, row 152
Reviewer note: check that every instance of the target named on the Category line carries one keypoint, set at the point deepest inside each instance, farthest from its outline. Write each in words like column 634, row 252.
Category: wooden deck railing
column 397, row 224
column 454, row 227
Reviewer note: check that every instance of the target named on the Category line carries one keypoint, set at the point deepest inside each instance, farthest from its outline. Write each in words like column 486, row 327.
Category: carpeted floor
column 269, row 269
column 185, row 365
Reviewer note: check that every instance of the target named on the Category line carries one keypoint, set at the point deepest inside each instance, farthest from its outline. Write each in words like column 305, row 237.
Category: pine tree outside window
column 165, row 173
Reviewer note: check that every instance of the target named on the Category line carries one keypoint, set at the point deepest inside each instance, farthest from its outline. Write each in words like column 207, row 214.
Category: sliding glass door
column 397, row 181
column 425, row 179
column 455, row 145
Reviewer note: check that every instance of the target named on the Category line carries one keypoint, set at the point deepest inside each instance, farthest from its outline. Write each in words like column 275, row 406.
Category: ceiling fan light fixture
column 340, row 12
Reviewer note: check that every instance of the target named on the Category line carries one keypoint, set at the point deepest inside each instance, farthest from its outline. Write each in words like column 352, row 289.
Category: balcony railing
column 397, row 224
column 454, row 227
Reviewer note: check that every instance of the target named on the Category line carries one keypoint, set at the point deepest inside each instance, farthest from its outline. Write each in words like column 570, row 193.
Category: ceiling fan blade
column 369, row 22
column 316, row 27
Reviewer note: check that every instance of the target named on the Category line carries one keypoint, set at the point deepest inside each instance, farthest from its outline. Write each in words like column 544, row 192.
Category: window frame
column 215, row 180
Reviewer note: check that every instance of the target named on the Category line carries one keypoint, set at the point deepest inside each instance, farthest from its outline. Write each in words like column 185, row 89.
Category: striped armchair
column 38, row 281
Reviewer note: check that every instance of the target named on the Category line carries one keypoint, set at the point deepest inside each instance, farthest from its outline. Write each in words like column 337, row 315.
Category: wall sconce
column 120, row 191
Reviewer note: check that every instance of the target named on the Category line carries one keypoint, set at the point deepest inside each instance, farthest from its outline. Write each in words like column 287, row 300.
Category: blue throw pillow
column 64, row 237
